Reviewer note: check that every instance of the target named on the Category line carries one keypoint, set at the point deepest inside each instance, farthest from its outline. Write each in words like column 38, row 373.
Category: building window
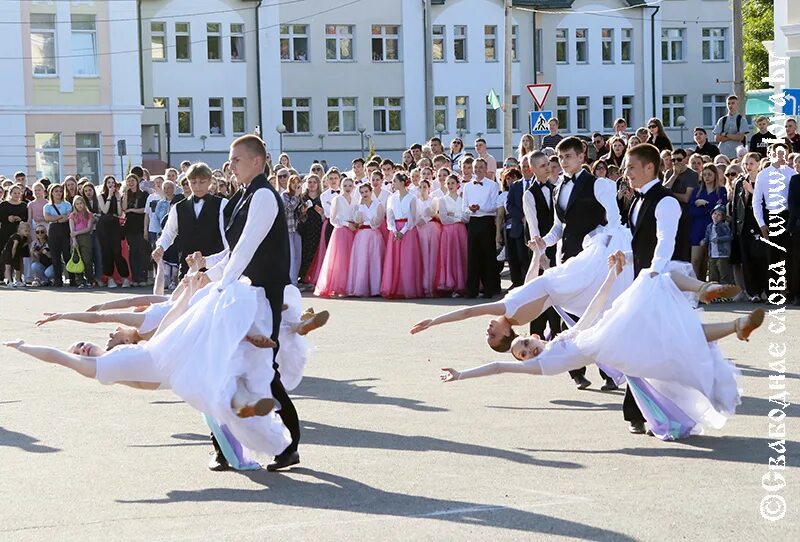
column 627, row 109
column 342, row 115
column 608, row 112
column 339, row 42
column 515, row 113
column 237, row 41
column 490, row 43
column 715, row 44
column 672, row 44
column 215, row 117
column 626, row 46
column 239, row 116
column 48, row 155
column 537, row 53
column 385, row 42
column 183, row 45
column 438, row 42
column 713, row 108
column 562, row 112
column 608, row 45
column 160, row 103
column 387, row 114
column 294, row 42
column 460, row 42
column 43, row 44
column 185, row 116
column 440, row 111
column 672, row 107
column 297, row 115
column 582, row 108
column 581, row 46
column 491, row 117
column 462, row 113
column 514, row 33
column 84, row 45
column 87, row 150
column 214, row 41
column 561, row 46
column 158, row 40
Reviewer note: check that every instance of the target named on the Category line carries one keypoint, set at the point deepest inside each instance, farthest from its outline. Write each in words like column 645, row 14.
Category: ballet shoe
column 307, row 314
column 745, row 325
column 262, row 407
column 316, row 321
column 261, row 341
column 706, row 295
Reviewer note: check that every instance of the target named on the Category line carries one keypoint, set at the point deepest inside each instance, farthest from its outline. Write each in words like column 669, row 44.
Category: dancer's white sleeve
column 529, row 208
column 759, row 193
column 215, row 264
column 668, row 213
column 605, row 191
column 261, row 215
column 555, row 233
column 170, row 230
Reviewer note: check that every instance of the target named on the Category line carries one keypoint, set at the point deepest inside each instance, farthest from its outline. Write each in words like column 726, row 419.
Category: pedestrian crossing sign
column 540, row 122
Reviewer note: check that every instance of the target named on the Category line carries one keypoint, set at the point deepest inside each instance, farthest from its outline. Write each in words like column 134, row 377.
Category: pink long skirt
column 402, row 267
column 429, row 235
column 312, row 275
column 451, row 271
column 335, row 267
column 366, row 263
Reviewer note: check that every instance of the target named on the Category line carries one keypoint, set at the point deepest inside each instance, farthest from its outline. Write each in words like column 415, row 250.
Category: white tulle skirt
column 293, row 352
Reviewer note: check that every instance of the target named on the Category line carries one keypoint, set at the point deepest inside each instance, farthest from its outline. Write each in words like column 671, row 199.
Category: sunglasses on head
column 731, row 174
column 677, row 158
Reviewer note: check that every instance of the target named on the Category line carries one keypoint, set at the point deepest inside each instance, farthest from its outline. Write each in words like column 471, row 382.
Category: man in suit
column 582, row 203
column 516, row 244
column 660, row 235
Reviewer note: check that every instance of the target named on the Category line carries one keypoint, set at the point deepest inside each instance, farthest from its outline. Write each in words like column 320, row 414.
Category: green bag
column 75, row 263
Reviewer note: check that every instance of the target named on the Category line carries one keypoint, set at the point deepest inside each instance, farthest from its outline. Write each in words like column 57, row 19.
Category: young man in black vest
column 195, row 223
column 582, row 203
column 660, row 235
column 258, row 236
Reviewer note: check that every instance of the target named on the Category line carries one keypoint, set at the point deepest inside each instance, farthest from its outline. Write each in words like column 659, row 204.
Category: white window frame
column 385, row 37
column 338, row 36
column 295, row 109
column 183, row 34
column 240, row 109
column 716, row 106
column 670, row 41
column 710, row 38
column 237, row 33
column 462, row 113
column 490, row 43
column 385, row 108
column 460, row 36
column 584, row 41
column 47, row 31
column 582, row 109
column 562, row 39
column 627, row 110
column 562, row 106
column 515, row 113
column 158, row 34
column 439, row 35
column 440, row 110
column 626, row 37
column 80, row 55
column 514, row 41
column 607, row 38
column 217, row 109
column 491, row 113
column 538, row 58
column 95, row 151
column 290, row 35
column 342, row 109
column 609, row 112
column 676, row 105
column 185, row 109
column 43, row 150
column 211, row 34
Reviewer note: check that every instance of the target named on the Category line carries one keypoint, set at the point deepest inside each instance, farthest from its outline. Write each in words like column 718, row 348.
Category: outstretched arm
column 83, row 365
column 493, row 368
column 128, row 302
column 615, row 262
column 132, row 319
column 487, row 309
column 191, row 285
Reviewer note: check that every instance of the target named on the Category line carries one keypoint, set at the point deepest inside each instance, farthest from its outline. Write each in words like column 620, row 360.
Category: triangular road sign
column 539, row 93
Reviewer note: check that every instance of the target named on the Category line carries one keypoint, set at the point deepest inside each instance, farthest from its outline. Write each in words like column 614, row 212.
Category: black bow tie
column 549, row 185
column 479, row 183
column 198, row 200
column 637, row 195
column 336, row 191
column 568, row 180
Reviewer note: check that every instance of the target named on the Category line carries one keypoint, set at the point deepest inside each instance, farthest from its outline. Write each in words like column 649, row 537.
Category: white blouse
column 371, row 215
column 450, row 210
column 405, row 208
column 426, row 209
column 343, row 211
column 383, row 197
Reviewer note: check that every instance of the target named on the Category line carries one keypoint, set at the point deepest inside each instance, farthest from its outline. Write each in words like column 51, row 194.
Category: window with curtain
column 84, row 45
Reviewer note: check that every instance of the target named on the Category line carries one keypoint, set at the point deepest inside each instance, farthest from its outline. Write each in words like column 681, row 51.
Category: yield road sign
column 539, row 92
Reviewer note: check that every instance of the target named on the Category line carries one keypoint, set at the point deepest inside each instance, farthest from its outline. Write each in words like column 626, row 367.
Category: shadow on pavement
column 331, row 492
column 348, row 391
column 194, row 439
column 24, row 442
column 567, row 404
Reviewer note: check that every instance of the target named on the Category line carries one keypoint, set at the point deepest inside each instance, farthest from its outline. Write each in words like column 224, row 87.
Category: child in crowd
column 718, row 240
column 41, row 262
column 15, row 250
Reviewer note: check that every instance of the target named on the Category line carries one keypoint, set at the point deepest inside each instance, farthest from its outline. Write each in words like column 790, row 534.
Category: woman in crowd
column 451, row 269
column 310, row 224
column 456, row 152
column 109, row 232
column 633, row 141
column 70, row 188
column 133, row 204
column 12, row 254
column 284, row 160
column 657, row 136
column 408, row 161
column 366, row 260
column 402, row 265
column 747, row 251
column 721, row 160
column 36, row 207
column 93, row 205
column 430, row 230
column 701, row 203
column 600, row 168
column 56, row 214
column 41, row 262
column 336, row 265
column 617, row 151
column 291, row 203
column 81, row 224
column 696, row 164
column 13, row 211
column 526, row 146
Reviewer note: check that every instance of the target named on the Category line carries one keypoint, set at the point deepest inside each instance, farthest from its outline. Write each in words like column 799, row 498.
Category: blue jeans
column 41, row 272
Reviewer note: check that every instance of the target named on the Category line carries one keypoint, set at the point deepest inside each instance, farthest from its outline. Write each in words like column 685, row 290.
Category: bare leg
column 742, row 327
column 84, row 365
column 158, row 284
column 706, row 291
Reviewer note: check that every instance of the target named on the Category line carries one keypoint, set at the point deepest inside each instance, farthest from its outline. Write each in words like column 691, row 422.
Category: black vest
column 582, row 215
column 199, row 233
column 544, row 212
column 269, row 267
column 644, row 231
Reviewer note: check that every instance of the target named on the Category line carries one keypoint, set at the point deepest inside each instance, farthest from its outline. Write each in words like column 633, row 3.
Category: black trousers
column 59, row 241
column 519, row 258
column 754, row 264
column 109, row 234
column 481, row 257
column 794, row 266
column 328, row 233
column 138, row 255
column 630, row 410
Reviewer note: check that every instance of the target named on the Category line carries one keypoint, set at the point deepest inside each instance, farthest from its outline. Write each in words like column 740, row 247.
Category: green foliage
column 757, row 16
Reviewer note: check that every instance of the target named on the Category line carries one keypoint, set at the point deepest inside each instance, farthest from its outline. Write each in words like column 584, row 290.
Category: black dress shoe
column 582, row 382
column 218, row 463
column 486, row 296
column 637, row 428
column 284, row 460
column 610, row 385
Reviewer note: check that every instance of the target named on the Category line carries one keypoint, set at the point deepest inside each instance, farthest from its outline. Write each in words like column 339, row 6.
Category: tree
column 757, row 17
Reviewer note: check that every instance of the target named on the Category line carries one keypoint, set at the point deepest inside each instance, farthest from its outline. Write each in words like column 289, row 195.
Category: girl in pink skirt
column 402, row 266
column 451, row 270
column 381, row 193
column 366, row 259
column 430, row 230
column 336, row 265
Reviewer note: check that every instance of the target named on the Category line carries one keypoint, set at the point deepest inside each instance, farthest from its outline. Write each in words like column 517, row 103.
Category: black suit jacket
column 514, row 209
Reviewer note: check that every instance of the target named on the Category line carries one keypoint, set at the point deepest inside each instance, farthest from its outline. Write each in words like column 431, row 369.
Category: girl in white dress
column 430, row 232
column 366, row 260
column 382, row 193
